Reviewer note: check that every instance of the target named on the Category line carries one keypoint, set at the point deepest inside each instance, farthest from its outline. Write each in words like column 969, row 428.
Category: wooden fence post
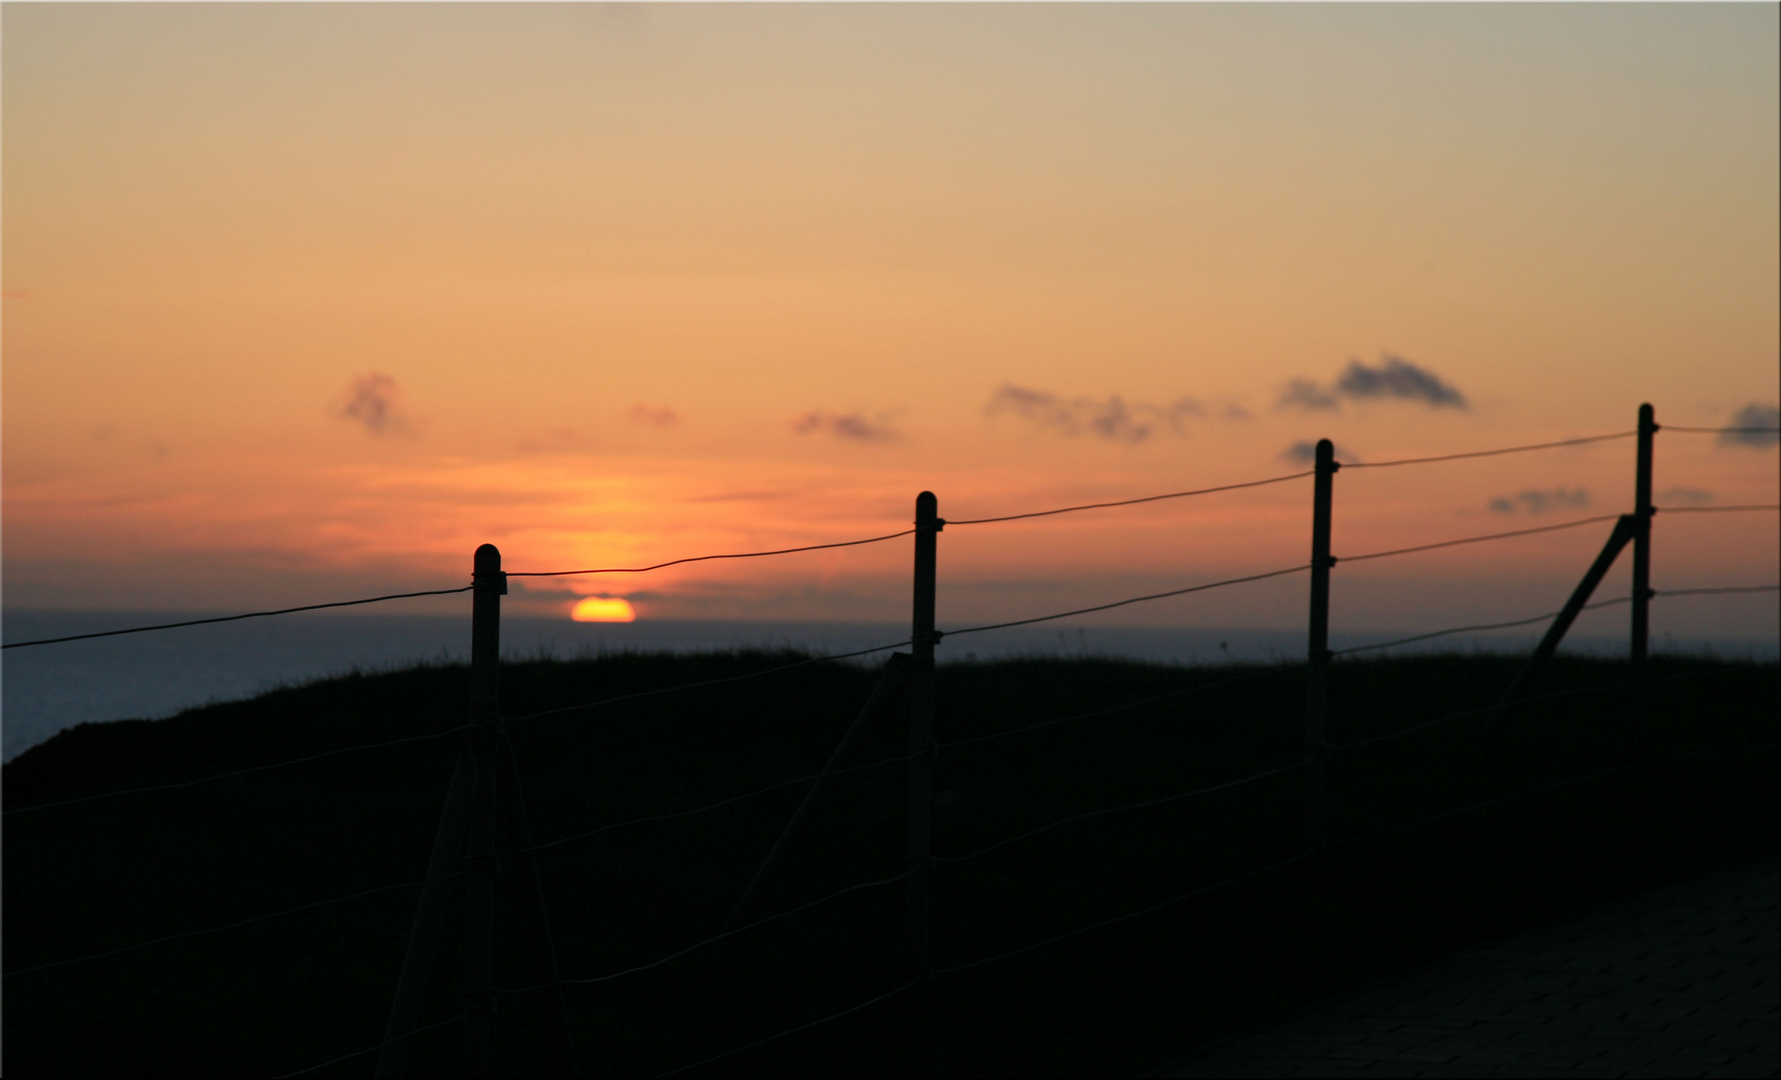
column 479, row 860
column 1318, row 649
column 921, row 749
column 1642, row 514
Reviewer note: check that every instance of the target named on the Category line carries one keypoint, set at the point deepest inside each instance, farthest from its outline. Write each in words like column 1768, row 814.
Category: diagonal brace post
column 893, row 679
column 1624, row 530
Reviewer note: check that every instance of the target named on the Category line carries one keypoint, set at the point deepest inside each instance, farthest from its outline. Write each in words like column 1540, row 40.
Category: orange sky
column 308, row 300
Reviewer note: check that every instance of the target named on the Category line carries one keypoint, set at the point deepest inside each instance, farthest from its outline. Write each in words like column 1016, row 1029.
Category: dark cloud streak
column 1111, row 419
column 1394, row 379
column 1753, row 415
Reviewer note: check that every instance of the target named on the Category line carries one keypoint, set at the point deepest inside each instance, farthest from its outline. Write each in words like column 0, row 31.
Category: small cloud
column 373, row 400
column 1393, row 379
column 1539, row 500
column 1396, row 377
column 1759, row 424
column 1110, row 419
column 1688, row 496
column 843, row 426
column 1304, row 452
column 15, row 294
column 654, row 415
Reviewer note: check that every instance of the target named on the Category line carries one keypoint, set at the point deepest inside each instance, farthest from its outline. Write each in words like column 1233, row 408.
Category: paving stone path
column 1679, row 980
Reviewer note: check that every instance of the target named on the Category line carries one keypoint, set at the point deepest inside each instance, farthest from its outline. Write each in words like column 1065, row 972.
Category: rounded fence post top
column 926, row 503
column 488, row 558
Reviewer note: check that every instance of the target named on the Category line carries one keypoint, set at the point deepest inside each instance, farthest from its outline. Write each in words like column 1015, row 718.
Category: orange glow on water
column 602, row 609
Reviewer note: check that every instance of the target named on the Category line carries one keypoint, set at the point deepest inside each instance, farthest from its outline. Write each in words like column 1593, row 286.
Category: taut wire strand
column 1133, row 600
column 1486, row 453
column 706, row 682
column 716, row 805
column 228, row 926
column 1716, row 509
column 379, row 1046
column 1499, row 800
column 238, row 772
column 1553, row 615
column 1120, row 810
column 1122, row 918
column 1723, row 430
column 1134, row 502
column 235, row 618
column 794, row 1031
column 1141, row 702
column 707, row 558
column 1481, row 626
column 1480, row 539
column 1479, row 710
column 708, row 941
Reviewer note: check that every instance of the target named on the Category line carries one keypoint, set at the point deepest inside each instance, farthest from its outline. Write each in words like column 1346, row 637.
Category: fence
column 483, row 832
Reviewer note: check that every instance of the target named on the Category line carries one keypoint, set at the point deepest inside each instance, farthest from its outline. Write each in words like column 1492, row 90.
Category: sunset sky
column 304, row 302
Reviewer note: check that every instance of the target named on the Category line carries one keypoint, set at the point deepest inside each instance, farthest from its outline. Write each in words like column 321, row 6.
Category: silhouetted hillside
column 286, row 993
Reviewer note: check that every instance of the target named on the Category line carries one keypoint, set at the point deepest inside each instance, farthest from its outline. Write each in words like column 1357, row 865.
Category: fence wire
column 236, row 618
column 1722, row 430
column 1225, row 786
column 1134, row 502
column 793, row 1031
column 811, row 778
column 379, row 1046
column 1481, row 539
column 230, row 926
column 238, row 772
column 1479, row 711
column 708, row 558
column 1479, row 627
column 1124, row 918
column 1141, row 702
column 708, row 682
column 1123, row 603
column 714, row 939
column 1487, row 453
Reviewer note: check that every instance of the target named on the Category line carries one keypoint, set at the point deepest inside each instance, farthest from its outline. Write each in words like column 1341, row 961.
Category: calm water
column 51, row 687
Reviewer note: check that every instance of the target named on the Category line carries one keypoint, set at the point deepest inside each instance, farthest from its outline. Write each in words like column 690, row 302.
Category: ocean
column 44, row 689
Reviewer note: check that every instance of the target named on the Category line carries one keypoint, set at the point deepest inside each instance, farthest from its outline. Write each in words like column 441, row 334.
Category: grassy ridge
column 286, row 993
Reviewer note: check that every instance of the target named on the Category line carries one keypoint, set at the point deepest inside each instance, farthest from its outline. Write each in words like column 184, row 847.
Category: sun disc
column 603, row 609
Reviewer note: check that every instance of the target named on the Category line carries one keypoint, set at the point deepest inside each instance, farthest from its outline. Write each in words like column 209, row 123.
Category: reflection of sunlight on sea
column 53, row 687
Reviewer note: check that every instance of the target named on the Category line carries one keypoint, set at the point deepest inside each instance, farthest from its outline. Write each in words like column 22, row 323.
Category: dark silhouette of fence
column 483, row 832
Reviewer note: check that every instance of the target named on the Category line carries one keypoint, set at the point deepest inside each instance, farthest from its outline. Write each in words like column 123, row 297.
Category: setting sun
column 602, row 609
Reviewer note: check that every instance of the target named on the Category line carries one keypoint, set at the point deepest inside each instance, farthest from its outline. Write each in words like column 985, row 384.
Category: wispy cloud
column 1539, row 500
column 1754, row 416
column 654, row 415
column 374, row 401
column 1393, row 379
column 1304, row 452
column 1689, row 496
column 852, row 426
column 1110, row 418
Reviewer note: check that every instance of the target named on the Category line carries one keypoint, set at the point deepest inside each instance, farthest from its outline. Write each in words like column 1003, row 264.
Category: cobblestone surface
column 1681, row 980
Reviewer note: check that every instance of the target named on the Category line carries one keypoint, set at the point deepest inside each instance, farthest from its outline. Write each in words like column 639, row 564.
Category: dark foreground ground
column 1680, row 979
column 1435, row 842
